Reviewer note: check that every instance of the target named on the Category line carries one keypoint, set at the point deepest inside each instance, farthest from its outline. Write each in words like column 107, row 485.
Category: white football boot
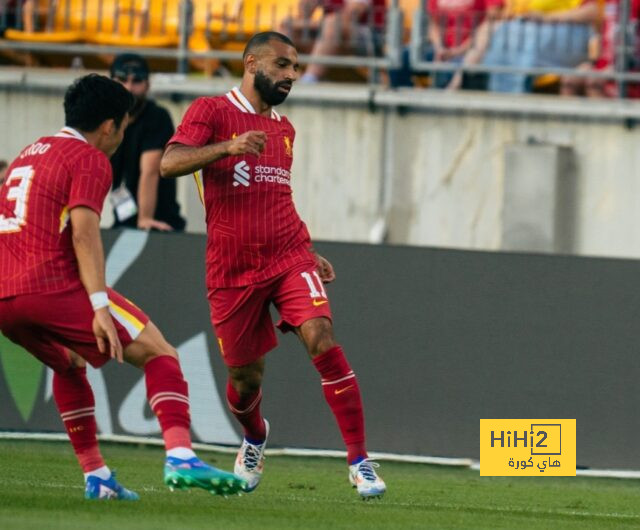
column 250, row 461
column 363, row 476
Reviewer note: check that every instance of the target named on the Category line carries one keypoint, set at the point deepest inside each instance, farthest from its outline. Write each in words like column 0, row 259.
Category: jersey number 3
column 18, row 184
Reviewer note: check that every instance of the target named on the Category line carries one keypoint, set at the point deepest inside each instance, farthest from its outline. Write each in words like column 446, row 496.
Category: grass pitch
column 41, row 488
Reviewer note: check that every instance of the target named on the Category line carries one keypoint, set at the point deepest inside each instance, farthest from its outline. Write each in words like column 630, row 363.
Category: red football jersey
column 42, row 185
column 253, row 229
column 458, row 19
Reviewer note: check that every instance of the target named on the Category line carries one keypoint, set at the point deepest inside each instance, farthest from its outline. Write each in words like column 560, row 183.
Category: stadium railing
column 184, row 30
column 527, row 36
column 43, row 21
column 146, row 23
column 204, row 32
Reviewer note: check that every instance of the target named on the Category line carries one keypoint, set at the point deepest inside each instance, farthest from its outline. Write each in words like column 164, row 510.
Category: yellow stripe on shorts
column 128, row 321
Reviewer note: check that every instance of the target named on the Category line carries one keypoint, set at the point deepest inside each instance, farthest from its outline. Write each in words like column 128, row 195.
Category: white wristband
column 99, row 300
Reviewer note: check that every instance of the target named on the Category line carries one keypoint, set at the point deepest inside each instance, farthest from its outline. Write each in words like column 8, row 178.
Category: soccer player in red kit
column 53, row 297
column 259, row 251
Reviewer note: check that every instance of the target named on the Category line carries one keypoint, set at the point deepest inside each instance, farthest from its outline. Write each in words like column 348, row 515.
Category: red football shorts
column 46, row 323
column 241, row 318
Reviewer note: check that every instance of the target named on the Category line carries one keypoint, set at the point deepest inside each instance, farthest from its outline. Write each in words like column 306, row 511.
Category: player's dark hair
column 94, row 98
column 260, row 39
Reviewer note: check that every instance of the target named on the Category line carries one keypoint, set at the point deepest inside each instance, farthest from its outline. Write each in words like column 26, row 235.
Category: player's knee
column 148, row 345
column 245, row 379
column 168, row 351
column 247, row 387
column 321, row 346
column 318, row 337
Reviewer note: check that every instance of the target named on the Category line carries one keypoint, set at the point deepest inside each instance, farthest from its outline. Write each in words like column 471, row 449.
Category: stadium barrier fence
column 199, row 32
column 438, row 338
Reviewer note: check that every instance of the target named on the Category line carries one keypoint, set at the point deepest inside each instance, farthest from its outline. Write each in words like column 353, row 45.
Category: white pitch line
column 438, row 505
column 324, row 453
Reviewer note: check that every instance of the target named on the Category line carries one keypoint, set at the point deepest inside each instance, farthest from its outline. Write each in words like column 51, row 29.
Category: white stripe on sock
column 348, row 376
column 73, row 412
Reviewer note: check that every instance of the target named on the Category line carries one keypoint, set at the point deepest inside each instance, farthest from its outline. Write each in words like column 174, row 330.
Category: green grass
column 41, row 488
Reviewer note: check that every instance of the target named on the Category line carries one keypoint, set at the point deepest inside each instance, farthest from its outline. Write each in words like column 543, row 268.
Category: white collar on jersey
column 69, row 132
column 238, row 99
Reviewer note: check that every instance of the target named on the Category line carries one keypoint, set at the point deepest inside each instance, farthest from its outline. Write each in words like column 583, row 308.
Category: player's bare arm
column 148, row 191
column 354, row 9
column 180, row 159
column 85, row 224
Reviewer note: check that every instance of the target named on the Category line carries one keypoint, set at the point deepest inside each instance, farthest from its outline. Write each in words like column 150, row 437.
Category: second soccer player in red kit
column 259, row 251
column 54, row 301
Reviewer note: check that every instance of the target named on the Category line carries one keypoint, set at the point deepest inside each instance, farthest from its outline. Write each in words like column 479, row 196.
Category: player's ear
column 250, row 63
column 108, row 127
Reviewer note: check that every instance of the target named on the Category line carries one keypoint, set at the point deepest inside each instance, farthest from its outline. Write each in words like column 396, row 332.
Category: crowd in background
column 577, row 34
column 580, row 35
column 570, row 34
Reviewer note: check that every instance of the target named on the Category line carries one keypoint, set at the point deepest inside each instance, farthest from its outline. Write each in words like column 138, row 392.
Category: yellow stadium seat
column 228, row 25
column 147, row 23
column 43, row 21
column 62, row 37
column 151, row 23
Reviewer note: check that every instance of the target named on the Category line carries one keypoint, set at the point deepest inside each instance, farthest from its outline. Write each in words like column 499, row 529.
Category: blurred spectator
column 605, row 56
column 347, row 26
column 303, row 28
column 3, row 170
column 139, row 197
column 452, row 25
column 539, row 33
column 29, row 9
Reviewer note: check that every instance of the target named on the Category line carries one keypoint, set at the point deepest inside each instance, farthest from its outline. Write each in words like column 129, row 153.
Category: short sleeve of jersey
column 158, row 131
column 196, row 127
column 90, row 182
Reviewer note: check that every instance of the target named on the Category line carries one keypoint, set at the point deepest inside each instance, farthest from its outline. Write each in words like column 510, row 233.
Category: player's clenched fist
column 251, row 142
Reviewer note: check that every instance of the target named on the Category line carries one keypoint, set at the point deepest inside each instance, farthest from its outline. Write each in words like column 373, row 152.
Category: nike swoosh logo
column 341, row 390
column 319, row 302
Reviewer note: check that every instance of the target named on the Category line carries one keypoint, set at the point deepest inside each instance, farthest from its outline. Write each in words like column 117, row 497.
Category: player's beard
column 268, row 90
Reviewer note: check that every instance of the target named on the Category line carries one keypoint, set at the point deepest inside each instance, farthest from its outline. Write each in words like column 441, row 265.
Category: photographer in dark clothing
column 140, row 198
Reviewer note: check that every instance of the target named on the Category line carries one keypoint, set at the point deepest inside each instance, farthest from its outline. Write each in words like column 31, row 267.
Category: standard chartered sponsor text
column 272, row 174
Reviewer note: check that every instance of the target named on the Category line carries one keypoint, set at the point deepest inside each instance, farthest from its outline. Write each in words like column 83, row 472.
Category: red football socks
column 342, row 393
column 168, row 396
column 74, row 399
column 247, row 410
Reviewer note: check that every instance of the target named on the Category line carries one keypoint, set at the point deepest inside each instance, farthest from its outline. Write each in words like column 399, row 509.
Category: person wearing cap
column 139, row 197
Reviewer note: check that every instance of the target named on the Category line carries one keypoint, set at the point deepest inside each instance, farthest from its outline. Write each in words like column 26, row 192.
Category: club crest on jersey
column 287, row 146
column 241, row 174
